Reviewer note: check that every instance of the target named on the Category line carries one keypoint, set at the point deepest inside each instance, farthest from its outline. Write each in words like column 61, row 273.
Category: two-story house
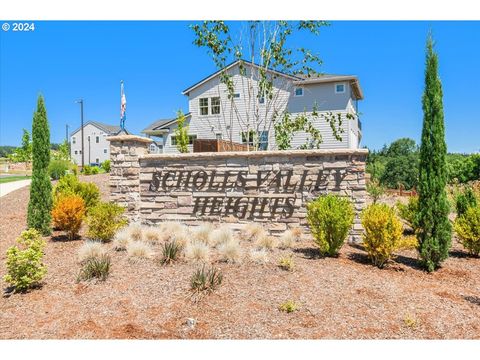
column 246, row 117
column 96, row 149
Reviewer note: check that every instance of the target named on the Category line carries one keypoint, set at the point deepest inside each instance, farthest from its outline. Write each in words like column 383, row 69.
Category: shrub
column 104, row 220
column 58, row 168
column 467, row 228
column 170, row 252
column 139, row 250
column 206, row 280
column 288, row 306
column 231, row 251
column 408, row 243
column 259, row 256
column 91, row 249
column 266, row 241
column 253, row 232
column 375, row 190
column 330, row 218
column 24, row 261
column 68, row 214
column 286, row 263
column 70, row 185
column 90, row 170
column 95, row 268
column 197, row 251
column 383, row 232
column 408, row 212
column 464, row 200
column 106, row 166
column 220, row 236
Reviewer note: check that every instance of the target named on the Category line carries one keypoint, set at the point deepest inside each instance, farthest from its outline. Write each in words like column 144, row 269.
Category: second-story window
column 97, row 139
column 236, row 96
column 203, row 103
column 74, row 140
column 215, row 103
column 298, row 91
column 339, row 88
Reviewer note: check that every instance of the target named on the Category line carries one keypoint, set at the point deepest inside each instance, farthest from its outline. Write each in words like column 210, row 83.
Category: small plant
column 266, row 241
column 410, row 321
column 104, row 220
column 231, row 251
column 121, row 240
column 95, row 268
column 409, row 242
column 465, row 200
column 57, row 168
column 375, row 190
column 152, row 234
column 91, row 249
column 70, row 185
column 220, row 236
column 139, row 250
column 288, row 306
column 206, row 280
column 135, row 231
column 408, row 212
column 170, row 252
column 106, row 166
column 68, row 214
column 181, row 237
column 467, row 228
column 297, row 232
column 259, row 256
column 197, row 251
column 24, row 261
column 253, row 232
column 202, row 233
column 330, row 218
column 287, row 263
column 287, row 240
column 383, row 233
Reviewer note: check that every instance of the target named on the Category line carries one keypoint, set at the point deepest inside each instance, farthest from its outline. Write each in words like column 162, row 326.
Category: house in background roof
column 214, row 115
column 96, row 147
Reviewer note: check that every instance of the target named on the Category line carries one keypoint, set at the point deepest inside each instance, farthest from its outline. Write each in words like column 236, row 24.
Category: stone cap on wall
column 133, row 138
column 253, row 154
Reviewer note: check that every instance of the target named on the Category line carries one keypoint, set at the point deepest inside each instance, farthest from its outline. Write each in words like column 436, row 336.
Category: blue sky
column 157, row 60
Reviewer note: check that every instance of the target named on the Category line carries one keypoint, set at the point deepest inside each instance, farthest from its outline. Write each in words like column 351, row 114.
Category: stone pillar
column 125, row 151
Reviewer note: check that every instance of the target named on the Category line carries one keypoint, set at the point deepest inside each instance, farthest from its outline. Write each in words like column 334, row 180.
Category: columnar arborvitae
column 40, row 204
column 435, row 231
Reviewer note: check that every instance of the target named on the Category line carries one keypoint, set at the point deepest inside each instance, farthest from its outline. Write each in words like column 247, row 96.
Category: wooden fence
column 217, row 145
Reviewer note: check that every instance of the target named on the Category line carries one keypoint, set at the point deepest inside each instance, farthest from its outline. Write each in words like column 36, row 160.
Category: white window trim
column 171, row 139
column 219, row 105
column 105, row 151
column 340, row 92
column 295, row 91
column 200, row 108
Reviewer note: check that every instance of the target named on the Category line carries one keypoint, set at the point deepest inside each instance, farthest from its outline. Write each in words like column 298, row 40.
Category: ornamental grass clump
column 197, row 251
column 231, row 251
column 259, row 256
column 330, row 218
column 68, row 214
column 467, row 228
column 152, row 234
column 253, row 232
column 135, row 231
column 104, row 220
column 288, row 306
column 266, row 241
column 383, row 233
column 25, row 268
column 286, row 263
column 170, row 252
column 137, row 250
column 202, row 233
column 91, row 249
column 121, row 239
column 206, row 280
column 220, row 236
column 95, row 268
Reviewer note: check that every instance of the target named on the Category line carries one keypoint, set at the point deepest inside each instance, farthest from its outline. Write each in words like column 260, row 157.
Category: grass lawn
column 13, row 178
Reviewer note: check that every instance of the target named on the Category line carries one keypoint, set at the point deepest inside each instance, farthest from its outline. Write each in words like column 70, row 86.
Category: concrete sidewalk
column 12, row 186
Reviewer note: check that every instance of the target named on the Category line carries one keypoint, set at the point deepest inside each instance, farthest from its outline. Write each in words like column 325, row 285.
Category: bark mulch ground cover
column 338, row 298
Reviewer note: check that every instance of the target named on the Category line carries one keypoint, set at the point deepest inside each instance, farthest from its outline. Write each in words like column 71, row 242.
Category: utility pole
column 81, row 119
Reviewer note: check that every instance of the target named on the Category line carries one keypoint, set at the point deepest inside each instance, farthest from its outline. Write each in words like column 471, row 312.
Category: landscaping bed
column 337, row 298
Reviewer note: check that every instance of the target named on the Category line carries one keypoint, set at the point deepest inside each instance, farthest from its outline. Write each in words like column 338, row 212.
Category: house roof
column 298, row 79
column 161, row 124
column 109, row 129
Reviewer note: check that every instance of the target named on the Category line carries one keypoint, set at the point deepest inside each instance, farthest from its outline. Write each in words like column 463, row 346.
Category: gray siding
column 95, row 151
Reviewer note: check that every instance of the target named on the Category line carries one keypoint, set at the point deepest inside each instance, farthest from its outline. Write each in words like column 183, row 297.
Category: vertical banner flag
column 123, row 107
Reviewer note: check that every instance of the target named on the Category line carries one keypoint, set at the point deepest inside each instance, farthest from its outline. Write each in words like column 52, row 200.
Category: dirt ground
column 338, row 298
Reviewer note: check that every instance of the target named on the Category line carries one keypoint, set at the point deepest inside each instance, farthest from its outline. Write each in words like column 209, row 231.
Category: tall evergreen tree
column 40, row 204
column 435, row 231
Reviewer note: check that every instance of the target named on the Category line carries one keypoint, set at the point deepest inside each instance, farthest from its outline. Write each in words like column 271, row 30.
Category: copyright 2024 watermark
column 18, row 26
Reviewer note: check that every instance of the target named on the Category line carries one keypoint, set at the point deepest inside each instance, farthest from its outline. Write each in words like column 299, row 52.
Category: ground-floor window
column 253, row 137
column 191, row 138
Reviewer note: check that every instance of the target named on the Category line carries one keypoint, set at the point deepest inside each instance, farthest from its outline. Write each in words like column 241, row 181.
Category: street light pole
column 68, row 142
column 81, row 119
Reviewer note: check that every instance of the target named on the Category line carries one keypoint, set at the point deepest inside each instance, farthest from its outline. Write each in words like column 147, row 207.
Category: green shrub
column 24, row 264
column 288, row 306
column 106, row 166
column 464, row 200
column 330, row 218
column 375, row 190
column 408, row 212
column 70, row 185
column 383, row 233
column 104, row 220
column 170, row 252
column 58, row 168
column 467, row 228
column 87, row 170
column 95, row 268
column 206, row 280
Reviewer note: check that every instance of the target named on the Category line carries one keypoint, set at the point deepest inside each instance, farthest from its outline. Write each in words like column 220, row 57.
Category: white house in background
column 96, row 147
column 212, row 115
